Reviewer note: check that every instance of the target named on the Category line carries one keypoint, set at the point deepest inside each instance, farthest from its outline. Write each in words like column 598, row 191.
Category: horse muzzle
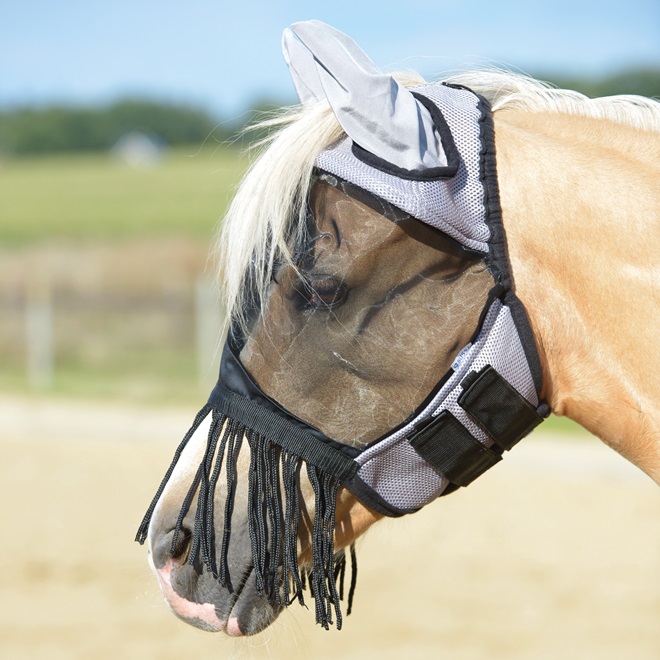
column 197, row 597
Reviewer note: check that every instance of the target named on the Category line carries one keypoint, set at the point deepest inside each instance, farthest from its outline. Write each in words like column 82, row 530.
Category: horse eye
column 321, row 292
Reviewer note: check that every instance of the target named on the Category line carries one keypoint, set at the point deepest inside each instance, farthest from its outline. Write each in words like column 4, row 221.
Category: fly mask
column 419, row 155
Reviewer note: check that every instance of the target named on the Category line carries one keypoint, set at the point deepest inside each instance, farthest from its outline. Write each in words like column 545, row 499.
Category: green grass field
column 99, row 197
column 94, row 202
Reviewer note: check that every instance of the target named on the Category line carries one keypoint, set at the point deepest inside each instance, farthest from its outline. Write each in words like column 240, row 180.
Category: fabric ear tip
column 287, row 36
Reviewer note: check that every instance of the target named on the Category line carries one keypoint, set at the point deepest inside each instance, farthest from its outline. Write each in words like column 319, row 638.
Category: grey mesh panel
column 499, row 345
column 454, row 206
column 401, row 477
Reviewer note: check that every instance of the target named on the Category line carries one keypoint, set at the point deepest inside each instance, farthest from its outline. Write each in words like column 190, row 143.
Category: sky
column 225, row 56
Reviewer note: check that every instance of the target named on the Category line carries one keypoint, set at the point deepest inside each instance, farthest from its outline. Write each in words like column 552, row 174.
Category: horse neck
column 580, row 201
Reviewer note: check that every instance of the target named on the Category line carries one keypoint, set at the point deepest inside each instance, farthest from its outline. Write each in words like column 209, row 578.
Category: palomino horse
column 353, row 308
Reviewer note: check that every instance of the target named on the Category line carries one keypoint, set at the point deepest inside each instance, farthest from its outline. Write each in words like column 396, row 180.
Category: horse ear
column 375, row 111
column 302, row 68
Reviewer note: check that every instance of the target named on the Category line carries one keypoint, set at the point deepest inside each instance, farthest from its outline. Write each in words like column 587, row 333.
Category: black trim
column 430, row 174
column 498, row 256
column 451, row 488
column 527, row 339
column 282, row 432
column 496, row 293
column 234, row 378
column 367, row 495
column 389, row 210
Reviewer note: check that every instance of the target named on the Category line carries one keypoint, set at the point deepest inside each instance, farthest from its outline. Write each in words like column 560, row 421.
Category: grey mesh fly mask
column 483, row 405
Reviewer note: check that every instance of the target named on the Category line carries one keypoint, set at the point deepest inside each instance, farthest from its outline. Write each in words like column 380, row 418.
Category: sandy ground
column 553, row 554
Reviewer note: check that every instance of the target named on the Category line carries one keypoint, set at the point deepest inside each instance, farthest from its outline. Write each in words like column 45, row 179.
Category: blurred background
column 119, row 150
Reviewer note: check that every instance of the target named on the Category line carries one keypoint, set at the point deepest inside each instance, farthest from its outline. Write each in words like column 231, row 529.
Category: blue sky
column 227, row 55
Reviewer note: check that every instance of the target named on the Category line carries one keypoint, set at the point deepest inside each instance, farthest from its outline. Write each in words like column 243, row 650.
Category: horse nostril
column 164, row 551
column 182, row 545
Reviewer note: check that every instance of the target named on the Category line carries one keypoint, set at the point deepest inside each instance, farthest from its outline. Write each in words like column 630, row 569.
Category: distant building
column 139, row 150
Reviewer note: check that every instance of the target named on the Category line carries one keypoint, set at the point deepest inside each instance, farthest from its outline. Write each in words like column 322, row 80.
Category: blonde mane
column 265, row 216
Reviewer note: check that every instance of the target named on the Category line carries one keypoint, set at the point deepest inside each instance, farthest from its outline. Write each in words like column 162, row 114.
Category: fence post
column 207, row 322
column 39, row 335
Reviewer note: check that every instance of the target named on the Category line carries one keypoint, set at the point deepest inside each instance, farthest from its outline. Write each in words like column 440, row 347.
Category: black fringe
column 274, row 513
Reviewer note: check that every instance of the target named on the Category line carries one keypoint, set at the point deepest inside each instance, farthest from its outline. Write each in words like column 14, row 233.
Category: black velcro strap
column 497, row 407
column 450, row 448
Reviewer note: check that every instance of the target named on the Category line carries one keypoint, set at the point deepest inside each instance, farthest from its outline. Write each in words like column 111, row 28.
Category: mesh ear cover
column 453, row 205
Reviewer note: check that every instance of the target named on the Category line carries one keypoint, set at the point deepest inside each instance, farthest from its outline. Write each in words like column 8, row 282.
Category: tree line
column 62, row 128
column 68, row 128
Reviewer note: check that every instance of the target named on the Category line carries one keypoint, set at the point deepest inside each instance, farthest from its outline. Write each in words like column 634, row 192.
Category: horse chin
column 201, row 601
column 251, row 612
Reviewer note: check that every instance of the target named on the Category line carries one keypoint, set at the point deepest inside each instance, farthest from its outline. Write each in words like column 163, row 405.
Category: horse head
column 377, row 355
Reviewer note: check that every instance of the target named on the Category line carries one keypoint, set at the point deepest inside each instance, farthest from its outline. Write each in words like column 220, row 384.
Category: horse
column 351, row 309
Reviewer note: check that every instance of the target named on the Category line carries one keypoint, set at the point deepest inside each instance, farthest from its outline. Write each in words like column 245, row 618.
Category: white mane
column 506, row 89
column 265, row 214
